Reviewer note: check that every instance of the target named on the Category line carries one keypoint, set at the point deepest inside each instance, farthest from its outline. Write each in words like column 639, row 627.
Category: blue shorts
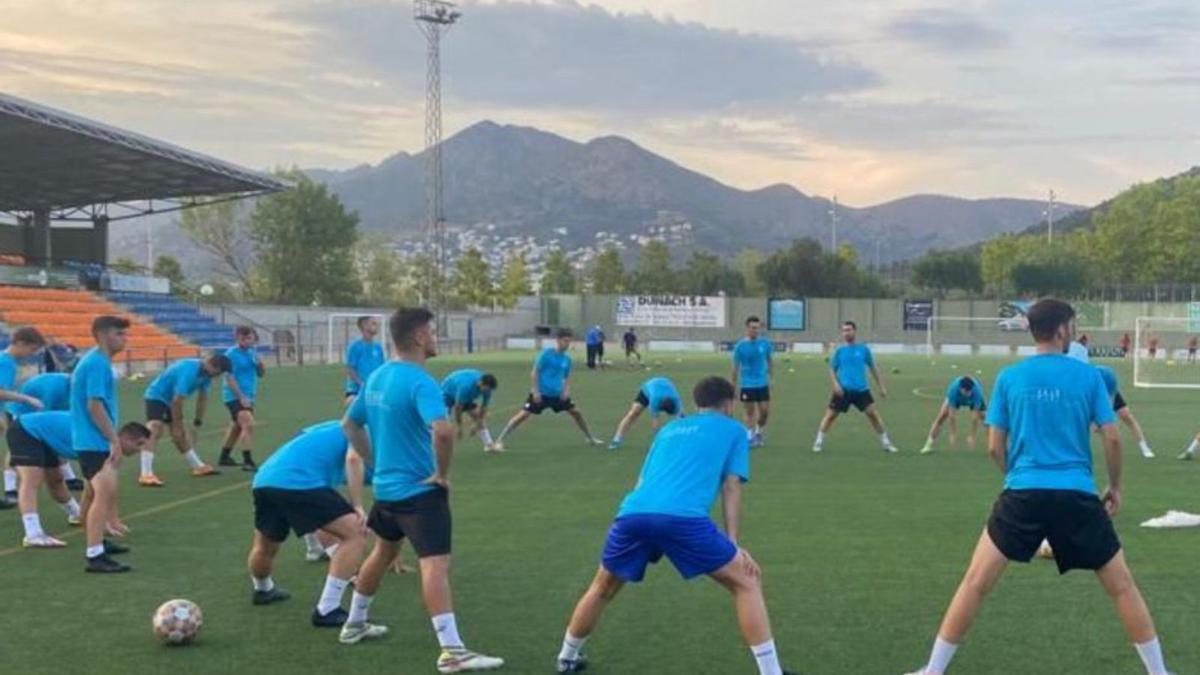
column 694, row 545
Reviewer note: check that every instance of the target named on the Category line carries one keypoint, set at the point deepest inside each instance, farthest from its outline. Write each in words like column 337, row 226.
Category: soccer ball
column 177, row 622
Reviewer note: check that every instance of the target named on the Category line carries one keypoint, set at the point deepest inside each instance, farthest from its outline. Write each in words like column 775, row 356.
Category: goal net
column 986, row 335
column 1162, row 352
column 343, row 329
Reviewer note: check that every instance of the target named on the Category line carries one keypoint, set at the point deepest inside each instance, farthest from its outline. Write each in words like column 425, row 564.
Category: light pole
column 1050, row 206
column 833, row 223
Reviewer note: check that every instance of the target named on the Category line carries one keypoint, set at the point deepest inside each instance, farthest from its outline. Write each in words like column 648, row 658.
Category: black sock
column 226, row 452
column 246, row 456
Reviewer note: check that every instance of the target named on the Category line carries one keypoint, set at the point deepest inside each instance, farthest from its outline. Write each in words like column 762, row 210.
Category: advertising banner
column 671, row 311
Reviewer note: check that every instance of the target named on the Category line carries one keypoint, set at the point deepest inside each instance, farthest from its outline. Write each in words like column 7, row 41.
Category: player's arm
column 998, row 447
column 201, row 408
column 260, row 368
column 533, row 383
column 356, row 479
column 99, row 415
column 837, row 386
column 231, row 382
column 9, row 395
column 443, row 446
column 735, row 369
column 352, row 366
column 566, row 388
column 731, row 505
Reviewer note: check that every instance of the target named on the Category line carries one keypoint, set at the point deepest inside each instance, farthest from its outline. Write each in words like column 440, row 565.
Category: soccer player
column 363, row 356
column 296, row 489
column 25, row 342
column 752, row 371
column 1121, row 408
column 630, row 339
column 53, row 389
column 963, row 392
column 1153, row 343
column 1040, row 417
column 659, row 395
column 239, row 393
column 461, row 390
column 1193, row 344
column 399, row 426
column 690, row 462
column 164, row 400
column 1125, row 343
column 848, row 372
column 595, row 347
column 550, row 384
column 41, row 444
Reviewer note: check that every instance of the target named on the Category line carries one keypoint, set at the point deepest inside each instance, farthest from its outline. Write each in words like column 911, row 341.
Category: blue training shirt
column 850, row 363
column 245, row 373
column 553, row 369
column 52, row 389
column 364, row 357
column 313, row 459
column 954, row 393
column 660, row 389
column 8, row 371
column 462, row 387
column 1048, row 404
column 687, row 463
column 753, row 358
column 93, row 379
column 53, row 429
column 183, row 379
column 1110, row 380
column 398, row 406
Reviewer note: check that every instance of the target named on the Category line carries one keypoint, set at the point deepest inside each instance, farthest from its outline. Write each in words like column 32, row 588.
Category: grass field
column 860, row 550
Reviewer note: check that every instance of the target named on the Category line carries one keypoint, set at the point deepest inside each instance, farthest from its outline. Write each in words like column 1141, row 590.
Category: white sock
column 486, row 436
column 571, row 647
column 95, row 551
column 72, row 508
column 757, row 428
column 147, row 463
column 447, row 630
column 820, row 437
column 1144, row 446
column 331, row 597
column 332, row 549
column 617, row 438
column 767, row 658
column 312, row 543
column 265, row 584
column 931, row 440
column 1193, row 447
column 1152, row 657
column 359, row 605
column 10, row 480
column 939, row 658
column 883, row 438
column 33, row 525
column 67, row 471
column 193, row 459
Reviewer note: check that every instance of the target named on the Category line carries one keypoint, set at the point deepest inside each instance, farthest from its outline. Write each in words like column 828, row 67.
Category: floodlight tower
column 435, row 18
column 1050, row 206
column 833, row 223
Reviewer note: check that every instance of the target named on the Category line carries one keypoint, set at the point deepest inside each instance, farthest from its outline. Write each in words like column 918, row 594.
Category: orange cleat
column 150, row 480
column 204, row 470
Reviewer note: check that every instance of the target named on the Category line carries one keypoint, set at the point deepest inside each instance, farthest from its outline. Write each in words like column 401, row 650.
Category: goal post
column 342, row 329
column 1162, row 352
column 968, row 334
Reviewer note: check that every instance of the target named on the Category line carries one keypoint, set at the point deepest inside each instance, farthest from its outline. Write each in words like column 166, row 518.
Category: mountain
column 527, row 182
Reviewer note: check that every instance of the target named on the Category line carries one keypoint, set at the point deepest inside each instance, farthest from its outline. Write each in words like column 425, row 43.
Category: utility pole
column 833, row 224
column 1050, row 206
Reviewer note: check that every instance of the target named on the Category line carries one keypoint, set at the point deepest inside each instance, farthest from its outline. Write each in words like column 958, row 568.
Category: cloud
column 945, row 30
column 566, row 55
column 1137, row 26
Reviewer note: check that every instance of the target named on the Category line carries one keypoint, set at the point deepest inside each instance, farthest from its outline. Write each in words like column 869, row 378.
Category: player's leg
column 603, row 589
column 246, row 424
column 102, row 509
column 581, row 423
column 232, row 433
column 185, row 445
column 1118, row 582
column 29, row 482
column 146, row 477
column 514, row 422
column 750, row 410
column 764, row 413
column 743, row 580
column 831, row 415
column 56, row 485
column 876, row 420
column 261, row 563
column 11, row 494
column 1130, row 421
column 1190, row 452
column 977, row 423
column 342, row 565
column 943, row 415
column 635, row 411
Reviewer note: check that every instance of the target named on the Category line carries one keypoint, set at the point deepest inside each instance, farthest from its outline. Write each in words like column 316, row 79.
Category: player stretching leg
column 461, row 389
column 53, row 391
column 667, row 514
column 25, row 342
column 1112, row 385
column 550, row 384
column 239, row 392
column 963, row 392
column 752, row 371
column 660, row 396
column 296, row 489
column 363, row 356
column 399, row 425
column 848, row 371
column 1046, row 405
column 164, row 400
column 40, row 443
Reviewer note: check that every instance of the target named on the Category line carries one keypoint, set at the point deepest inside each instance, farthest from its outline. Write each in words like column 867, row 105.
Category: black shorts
column 555, row 403
column 630, row 350
column 29, row 451
column 277, row 510
column 641, row 399
column 859, row 399
column 755, row 394
column 157, row 411
column 982, row 407
column 450, row 403
column 1075, row 523
column 423, row 519
column 235, row 408
column 91, row 462
column 1119, row 402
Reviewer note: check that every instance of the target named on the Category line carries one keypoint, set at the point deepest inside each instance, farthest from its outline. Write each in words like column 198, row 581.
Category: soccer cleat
column 113, row 548
column 227, row 460
column 575, row 665
column 10, row 495
column 917, row 672
column 150, row 480
column 353, row 633
column 1148, row 454
column 5, row 504
column 498, row 447
column 272, row 596
column 928, row 449
column 614, row 444
column 249, row 466
column 891, row 449
column 1187, row 456
column 758, row 441
column 315, row 556
column 595, row 441
column 102, row 564
column 336, row 618
column 75, row 485
column 42, row 541
column 462, row 660
column 204, row 470
column 817, row 447
column 75, row 521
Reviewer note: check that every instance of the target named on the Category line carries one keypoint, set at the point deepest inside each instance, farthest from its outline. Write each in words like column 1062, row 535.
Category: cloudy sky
column 868, row 99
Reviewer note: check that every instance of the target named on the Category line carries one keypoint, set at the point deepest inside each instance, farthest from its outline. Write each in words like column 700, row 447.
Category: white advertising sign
column 671, row 311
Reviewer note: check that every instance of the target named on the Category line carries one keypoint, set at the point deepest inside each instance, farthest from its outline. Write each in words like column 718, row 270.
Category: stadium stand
column 179, row 317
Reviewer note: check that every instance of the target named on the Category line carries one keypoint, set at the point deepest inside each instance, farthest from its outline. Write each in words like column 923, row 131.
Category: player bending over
column 848, row 372
column 239, row 393
column 296, row 489
column 660, row 396
column 164, row 400
column 461, row 391
column 963, row 392
column 1113, row 387
column 25, row 342
column 550, row 388
column 399, row 426
column 53, row 390
column 363, row 356
column 690, row 462
column 1041, row 414
column 752, row 371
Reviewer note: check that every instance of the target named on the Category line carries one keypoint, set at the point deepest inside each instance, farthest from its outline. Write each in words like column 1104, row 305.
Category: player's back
column 459, row 381
column 52, row 428
column 398, row 405
column 179, row 375
column 92, row 379
column 312, row 459
column 52, row 389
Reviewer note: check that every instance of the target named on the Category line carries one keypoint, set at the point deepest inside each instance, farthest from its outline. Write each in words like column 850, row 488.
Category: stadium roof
column 54, row 160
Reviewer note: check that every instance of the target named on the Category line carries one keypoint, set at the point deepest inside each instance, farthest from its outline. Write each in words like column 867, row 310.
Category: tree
column 946, row 270
column 558, row 276
column 169, row 268
column 707, row 274
column 608, row 273
column 218, row 229
column 305, row 241
column 126, row 265
column 1056, row 273
column 472, row 281
column 654, row 273
column 747, row 263
column 514, row 281
column 806, row 269
column 381, row 273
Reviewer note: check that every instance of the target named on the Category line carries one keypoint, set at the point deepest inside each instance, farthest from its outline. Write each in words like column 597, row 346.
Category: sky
column 870, row 100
